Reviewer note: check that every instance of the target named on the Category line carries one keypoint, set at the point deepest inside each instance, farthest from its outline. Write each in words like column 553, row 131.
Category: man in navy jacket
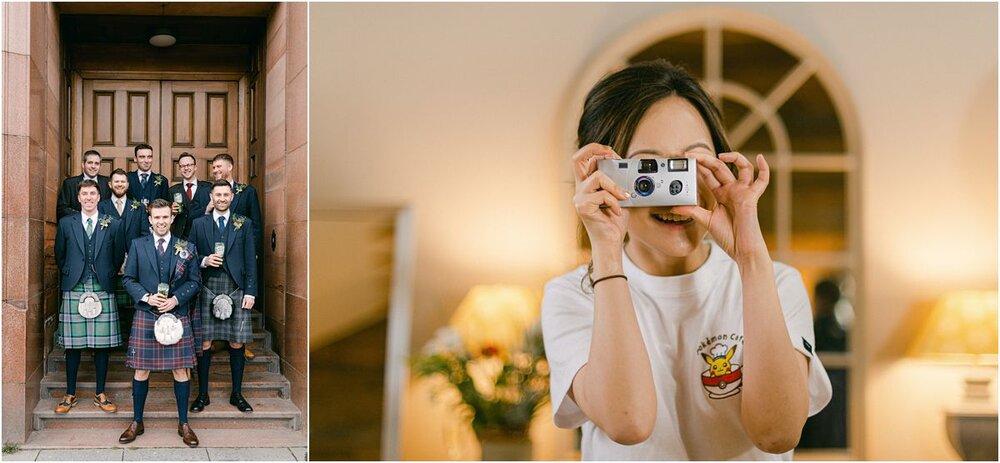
column 146, row 185
column 193, row 193
column 89, row 253
column 231, row 273
column 67, row 202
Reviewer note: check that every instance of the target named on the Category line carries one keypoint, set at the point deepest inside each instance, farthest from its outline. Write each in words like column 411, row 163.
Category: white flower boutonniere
column 240, row 187
column 180, row 249
column 104, row 221
column 136, row 204
column 238, row 222
column 158, row 180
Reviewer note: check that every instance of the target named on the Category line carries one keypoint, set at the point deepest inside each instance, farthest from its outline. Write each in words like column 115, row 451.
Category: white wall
column 459, row 111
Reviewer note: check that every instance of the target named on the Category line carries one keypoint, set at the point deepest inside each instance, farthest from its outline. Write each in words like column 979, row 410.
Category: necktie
column 222, row 223
column 119, row 206
column 143, row 180
column 90, row 227
column 189, row 191
column 160, row 247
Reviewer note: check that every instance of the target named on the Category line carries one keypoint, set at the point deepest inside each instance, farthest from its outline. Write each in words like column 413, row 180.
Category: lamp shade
column 495, row 317
column 962, row 328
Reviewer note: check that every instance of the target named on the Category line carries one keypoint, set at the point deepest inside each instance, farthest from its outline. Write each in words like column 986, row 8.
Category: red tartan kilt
column 145, row 353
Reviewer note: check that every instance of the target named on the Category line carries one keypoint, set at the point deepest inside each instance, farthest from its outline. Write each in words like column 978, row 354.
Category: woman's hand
column 733, row 221
column 594, row 189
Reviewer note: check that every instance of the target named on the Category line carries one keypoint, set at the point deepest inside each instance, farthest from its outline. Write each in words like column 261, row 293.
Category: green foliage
column 9, row 448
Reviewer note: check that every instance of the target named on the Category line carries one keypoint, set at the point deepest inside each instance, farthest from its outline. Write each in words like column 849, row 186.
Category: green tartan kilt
column 76, row 332
column 126, row 308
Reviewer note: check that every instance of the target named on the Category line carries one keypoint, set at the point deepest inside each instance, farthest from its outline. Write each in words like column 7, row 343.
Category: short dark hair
column 158, row 203
column 91, row 153
column 119, row 171
column 222, row 182
column 141, row 146
column 224, row 157
column 87, row 183
column 186, row 155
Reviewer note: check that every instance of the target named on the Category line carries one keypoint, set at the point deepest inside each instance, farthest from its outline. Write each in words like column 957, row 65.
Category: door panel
column 201, row 118
column 117, row 115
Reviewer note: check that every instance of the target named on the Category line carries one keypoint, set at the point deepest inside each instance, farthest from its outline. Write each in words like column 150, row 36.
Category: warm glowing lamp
column 495, row 316
column 962, row 329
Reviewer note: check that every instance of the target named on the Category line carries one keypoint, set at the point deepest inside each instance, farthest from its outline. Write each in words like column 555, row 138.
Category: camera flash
column 680, row 164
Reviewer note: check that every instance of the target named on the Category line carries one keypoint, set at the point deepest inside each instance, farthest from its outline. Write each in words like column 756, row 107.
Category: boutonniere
column 238, row 222
column 136, row 204
column 181, row 249
column 104, row 221
column 240, row 187
column 158, row 180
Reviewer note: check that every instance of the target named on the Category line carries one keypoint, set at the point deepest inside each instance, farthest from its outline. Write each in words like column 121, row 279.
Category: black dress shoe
column 200, row 403
column 134, row 430
column 240, row 403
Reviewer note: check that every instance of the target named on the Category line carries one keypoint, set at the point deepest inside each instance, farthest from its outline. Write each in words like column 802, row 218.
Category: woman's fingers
column 763, row 175
column 743, row 166
column 590, row 203
column 584, row 162
column 600, row 181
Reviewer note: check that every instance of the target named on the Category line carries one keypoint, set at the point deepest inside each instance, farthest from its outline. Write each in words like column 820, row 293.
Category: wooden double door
column 199, row 117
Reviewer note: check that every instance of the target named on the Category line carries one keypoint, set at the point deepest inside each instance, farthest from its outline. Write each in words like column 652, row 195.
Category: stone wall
column 285, row 193
column 32, row 85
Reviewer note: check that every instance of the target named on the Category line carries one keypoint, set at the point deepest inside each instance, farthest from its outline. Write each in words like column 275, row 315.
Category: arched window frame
column 784, row 162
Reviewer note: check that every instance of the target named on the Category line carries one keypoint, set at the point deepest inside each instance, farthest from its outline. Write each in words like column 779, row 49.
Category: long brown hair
column 618, row 102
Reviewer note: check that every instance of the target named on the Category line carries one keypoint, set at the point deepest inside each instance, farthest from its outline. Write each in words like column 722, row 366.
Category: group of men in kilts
column 190, row 251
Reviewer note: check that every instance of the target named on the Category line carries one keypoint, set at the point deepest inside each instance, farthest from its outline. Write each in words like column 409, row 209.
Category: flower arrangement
column 501, row 388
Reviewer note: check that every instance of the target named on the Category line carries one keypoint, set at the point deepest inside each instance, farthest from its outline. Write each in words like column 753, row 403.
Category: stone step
column 262, row 384
column 269, row 413
column 163, row 437
column 264, row 360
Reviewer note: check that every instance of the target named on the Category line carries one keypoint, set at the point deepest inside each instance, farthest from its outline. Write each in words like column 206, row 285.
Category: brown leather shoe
column 187, row 434
column 134, row 430
column 101, row 400
column 68, row 402
column 248, row 353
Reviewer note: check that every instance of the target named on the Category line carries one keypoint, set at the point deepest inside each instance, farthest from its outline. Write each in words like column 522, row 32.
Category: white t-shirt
column 682, row 319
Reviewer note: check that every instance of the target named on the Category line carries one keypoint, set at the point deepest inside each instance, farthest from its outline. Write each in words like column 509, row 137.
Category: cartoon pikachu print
column 722, row 378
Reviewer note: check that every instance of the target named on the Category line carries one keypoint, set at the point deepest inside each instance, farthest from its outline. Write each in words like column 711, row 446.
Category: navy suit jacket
column 246, row 203
column 71, row 250
column 142, row 273
column 151, row 191
column 192, row 208
column 135, row 220
column 240, row 258
column 68, row 201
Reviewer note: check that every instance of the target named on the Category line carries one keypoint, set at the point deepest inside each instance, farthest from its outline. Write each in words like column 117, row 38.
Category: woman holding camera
column 669, row 345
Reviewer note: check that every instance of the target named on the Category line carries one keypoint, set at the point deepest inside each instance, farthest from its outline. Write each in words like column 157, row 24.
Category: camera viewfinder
column 647, row 166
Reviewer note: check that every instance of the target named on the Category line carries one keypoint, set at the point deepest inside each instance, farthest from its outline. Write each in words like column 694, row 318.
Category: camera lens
column 647, row 166
column 644, row 186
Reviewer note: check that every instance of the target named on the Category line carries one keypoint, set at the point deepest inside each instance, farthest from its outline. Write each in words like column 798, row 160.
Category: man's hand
column 168, row 305
column 213, row 260
column 248, row 302
column 155, row 300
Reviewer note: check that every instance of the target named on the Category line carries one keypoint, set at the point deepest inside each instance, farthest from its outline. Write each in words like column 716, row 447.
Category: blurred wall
column 459, row 111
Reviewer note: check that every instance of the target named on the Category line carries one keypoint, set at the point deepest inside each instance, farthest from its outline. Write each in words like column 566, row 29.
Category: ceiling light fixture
column 163, row 36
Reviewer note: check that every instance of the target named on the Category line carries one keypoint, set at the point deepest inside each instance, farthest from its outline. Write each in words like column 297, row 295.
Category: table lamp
column 495, row 317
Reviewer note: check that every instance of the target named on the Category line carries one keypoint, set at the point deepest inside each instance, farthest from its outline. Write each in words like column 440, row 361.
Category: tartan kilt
column 238, row 327
column 76, row 332
column 145, row 353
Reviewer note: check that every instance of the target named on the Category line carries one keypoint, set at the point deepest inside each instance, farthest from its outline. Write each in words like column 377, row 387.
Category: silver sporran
column 222, row 306
column 90, row 305
column 168, row 329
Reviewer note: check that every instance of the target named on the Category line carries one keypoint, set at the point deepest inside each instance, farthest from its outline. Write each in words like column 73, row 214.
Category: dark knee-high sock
column 204, row 363
column 182, row 392
column 101, row 359
column 139, row 391
column 236, row 362
column 72, row 368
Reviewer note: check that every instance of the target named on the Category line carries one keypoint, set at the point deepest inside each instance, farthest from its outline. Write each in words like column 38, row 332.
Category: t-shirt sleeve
column 799, row 321
column 567, row 324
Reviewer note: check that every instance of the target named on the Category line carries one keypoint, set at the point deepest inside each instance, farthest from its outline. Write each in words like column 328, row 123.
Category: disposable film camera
column 654, row 182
